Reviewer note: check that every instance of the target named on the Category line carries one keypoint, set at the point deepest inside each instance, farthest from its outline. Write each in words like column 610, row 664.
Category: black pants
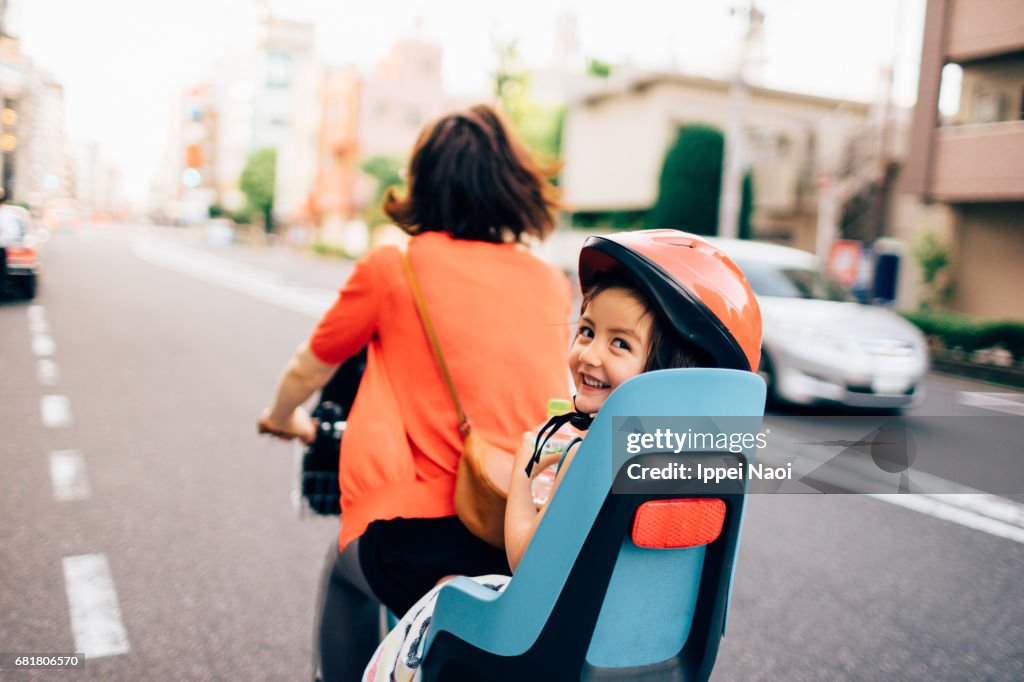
column 394, row 562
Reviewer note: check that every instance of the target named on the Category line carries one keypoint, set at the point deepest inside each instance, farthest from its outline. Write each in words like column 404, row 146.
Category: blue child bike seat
column 587, row 602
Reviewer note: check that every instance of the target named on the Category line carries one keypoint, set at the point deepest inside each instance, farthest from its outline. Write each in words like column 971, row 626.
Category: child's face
column 610, row 347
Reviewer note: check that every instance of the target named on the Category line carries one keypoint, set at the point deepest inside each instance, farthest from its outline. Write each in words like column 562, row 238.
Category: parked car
column 219, row 232
column 19, row 267
column 820, row 344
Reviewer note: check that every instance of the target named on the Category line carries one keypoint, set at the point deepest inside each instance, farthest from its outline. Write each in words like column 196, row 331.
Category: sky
column 122, row 61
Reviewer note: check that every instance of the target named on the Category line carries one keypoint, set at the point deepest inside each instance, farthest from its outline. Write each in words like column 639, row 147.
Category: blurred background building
column 820, row 168
column 40, row 166
column 973, row 162
column 616, row 139
column 370, row 123
column 255, row 98
column 33, row 146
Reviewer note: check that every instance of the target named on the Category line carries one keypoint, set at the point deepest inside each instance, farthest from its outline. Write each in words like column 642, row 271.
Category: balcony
column 982, row 162
column 982, row 29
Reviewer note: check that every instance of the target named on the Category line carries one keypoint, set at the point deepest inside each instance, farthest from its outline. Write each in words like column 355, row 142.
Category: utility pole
column 879, row 228
column 734, row 161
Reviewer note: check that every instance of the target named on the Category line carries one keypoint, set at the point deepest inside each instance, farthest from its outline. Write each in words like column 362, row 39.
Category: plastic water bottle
column 545, row 480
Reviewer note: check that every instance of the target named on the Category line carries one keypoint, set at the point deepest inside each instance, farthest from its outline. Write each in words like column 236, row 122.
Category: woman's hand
column 298, row 425
column 286, row 418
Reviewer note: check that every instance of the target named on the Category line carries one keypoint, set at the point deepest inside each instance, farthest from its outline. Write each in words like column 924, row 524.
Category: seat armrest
column 465, row 608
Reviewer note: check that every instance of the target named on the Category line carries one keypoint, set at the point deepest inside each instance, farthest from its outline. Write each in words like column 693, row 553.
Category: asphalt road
column 167, row 349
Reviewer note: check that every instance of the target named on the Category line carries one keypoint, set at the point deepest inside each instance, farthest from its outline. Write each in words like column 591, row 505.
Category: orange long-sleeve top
column 502, row 320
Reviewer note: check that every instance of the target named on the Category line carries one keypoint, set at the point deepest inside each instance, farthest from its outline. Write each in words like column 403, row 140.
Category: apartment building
column 616, row 138
column 973, row 162
column 256, row 100
column 374, row 115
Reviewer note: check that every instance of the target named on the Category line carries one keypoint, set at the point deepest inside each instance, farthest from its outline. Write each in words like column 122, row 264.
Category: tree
column 691, row 183
column 509, row 78
column 257, row 183
column 540, row 129
column 933, row 257
column 539, row 126
column 598, row 68
column 386, row 170
column 746, row 207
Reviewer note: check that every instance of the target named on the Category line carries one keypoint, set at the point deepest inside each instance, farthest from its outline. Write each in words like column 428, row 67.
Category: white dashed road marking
column 56, row 411
column 957, row 503
column 38, row 326
column 36, row 313
column 43, row 345
column 957, row 513
column 67, row 473
column 46, row 372
column 95, row 613
column 1009, row 403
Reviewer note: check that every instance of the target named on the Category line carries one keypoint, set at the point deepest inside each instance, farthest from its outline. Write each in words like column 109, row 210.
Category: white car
column 820, row 344
column 19, row 264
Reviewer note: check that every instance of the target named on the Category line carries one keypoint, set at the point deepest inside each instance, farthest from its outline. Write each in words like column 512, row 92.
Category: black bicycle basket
column 319, row 483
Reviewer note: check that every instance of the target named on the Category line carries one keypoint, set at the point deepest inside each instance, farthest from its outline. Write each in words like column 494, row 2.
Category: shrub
column 691, row 182
column 933, row 257
column 957, row 331
column 333, row 250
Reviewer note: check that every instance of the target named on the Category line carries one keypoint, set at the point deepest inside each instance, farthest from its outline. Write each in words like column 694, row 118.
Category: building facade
column 616, row 138
column 973, row 162
column 35, row 158
column 366, row 116
column 256, row 100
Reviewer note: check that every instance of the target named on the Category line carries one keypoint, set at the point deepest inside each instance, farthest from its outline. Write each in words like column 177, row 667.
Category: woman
column 647, row 305
column 501, row 318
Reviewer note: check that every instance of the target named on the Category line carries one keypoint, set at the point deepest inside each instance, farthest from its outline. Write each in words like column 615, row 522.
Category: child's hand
column 525, row 453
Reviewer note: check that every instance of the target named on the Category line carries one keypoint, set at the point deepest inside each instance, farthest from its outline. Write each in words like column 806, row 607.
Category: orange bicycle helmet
column 698, row 289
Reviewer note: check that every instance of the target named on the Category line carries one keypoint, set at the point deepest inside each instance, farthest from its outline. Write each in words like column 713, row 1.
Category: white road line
column 56, row 411
column 36, row 313
column 957, row 503
column 965, row 497
column 1010, row 403
column 38, row 326
column 260, row 284
column 43, row 345
column 926, row 504
column 95, row 614
column 67, row 473
column 46, row 372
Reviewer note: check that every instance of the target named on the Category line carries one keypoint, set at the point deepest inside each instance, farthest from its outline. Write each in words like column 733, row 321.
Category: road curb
column 1005, row 376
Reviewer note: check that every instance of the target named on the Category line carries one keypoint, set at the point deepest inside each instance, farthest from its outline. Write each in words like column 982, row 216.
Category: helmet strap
column 580, row 420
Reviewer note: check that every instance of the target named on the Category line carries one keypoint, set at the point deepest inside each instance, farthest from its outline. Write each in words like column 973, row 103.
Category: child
column 639, row 314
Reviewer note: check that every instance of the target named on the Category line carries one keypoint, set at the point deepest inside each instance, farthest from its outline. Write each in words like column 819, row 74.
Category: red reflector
column 19, row 255
column 674, row 524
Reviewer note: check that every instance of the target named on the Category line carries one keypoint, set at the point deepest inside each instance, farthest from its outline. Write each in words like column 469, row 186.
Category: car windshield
column 11, row 227
column 786, row 281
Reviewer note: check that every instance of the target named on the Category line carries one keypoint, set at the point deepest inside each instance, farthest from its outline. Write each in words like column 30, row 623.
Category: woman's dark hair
column 667, row 349
column 470, row 177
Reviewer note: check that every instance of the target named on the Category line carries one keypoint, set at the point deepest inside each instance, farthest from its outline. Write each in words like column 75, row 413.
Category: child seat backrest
column 587, row 602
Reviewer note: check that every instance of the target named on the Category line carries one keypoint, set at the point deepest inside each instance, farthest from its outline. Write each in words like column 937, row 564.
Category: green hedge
column 333, row 250
column 967, row 333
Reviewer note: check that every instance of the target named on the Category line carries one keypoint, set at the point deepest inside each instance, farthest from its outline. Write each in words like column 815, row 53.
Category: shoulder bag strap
column 428, row 327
